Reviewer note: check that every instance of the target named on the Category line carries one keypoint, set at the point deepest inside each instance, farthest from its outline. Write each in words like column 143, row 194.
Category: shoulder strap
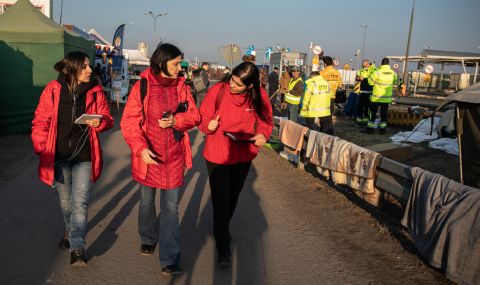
column 143, row 89
column 218, row 100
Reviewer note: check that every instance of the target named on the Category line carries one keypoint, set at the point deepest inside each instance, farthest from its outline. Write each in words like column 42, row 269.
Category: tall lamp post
column 61, row 12
column 155, row 17
column 364, row 27
column 405, row 64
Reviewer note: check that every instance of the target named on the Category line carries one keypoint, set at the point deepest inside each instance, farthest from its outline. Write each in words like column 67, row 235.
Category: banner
column 118, row 39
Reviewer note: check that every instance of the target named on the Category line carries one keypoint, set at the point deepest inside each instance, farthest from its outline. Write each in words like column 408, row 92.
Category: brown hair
column 71, row 66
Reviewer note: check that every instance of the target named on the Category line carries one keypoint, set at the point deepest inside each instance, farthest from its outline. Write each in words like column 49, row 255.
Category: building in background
column 44, row 6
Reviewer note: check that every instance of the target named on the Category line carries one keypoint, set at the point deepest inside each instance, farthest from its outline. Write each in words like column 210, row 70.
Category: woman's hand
column 259, row 140
column 213, row 125
column 94, row 123
column 167, row 122
column 147, row 156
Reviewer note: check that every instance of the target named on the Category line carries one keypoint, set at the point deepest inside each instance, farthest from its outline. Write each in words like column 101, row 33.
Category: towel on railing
column 291, row 134
column 443, row 217
column 311, row 143
column 347, row 164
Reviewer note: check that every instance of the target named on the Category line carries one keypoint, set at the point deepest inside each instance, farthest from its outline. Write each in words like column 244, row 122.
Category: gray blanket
column 443, row 217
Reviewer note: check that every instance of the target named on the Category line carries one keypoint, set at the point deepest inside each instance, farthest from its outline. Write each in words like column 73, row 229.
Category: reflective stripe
column 365, row 92
column 382, row 97
column 382, row 84
column 320, row 92
column 371, row 124
column 291, row 97
column 319, row 109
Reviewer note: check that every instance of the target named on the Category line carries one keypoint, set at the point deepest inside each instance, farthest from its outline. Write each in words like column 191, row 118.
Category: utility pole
column 61, row 12
column 405, row 64
column 364, row 27
column 155, row 17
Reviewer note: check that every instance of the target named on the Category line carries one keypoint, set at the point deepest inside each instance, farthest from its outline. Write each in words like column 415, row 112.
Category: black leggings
column 226, row 183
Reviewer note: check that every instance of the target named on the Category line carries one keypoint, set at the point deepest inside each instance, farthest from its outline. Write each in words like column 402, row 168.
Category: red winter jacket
column 134, row 128
column 236, row 115
column 44, row 129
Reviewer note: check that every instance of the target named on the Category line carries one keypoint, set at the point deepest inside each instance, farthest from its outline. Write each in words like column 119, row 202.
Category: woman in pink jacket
column 154, row 125
column 70, row 153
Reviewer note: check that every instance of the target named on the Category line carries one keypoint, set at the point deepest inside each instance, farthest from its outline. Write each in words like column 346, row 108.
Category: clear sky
column 200, row 27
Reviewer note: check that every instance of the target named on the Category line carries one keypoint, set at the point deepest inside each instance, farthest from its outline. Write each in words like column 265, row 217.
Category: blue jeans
column 166, row 229
column 73, row 185
column 293, row 112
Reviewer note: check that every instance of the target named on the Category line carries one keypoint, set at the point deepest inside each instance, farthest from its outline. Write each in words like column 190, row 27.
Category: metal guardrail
column 392, row 177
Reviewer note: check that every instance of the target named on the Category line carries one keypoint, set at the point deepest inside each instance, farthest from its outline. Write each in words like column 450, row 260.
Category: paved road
column 289, row 228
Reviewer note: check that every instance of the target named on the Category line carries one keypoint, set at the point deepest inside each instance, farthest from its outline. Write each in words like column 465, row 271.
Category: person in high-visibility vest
column 383, row 80
column 334, row 80
column 316, row 103
column 294, row 93
column 364, row 93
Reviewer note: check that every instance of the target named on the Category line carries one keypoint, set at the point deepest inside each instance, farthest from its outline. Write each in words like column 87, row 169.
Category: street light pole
column 61, row 12
column 155, row 17
column 364, row 27
column 405, row 64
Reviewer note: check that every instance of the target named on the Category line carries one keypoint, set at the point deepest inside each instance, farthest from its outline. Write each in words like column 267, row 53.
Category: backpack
column 198, row 84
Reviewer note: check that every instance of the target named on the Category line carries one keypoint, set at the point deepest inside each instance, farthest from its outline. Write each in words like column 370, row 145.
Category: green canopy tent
column 30, row 44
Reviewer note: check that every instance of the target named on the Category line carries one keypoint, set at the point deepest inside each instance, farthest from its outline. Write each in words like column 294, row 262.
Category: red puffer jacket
column 236, row 115
column 135, row 126
column 44, row 129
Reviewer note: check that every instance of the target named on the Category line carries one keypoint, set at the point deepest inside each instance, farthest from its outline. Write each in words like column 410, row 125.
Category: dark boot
column 77, row 258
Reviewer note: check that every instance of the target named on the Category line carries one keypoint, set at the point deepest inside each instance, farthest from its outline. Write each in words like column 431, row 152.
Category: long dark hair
column 249, row 74
column 71, row 66
column 163, row 53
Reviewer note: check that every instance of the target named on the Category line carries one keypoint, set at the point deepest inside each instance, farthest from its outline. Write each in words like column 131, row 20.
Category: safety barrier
column 392, row 177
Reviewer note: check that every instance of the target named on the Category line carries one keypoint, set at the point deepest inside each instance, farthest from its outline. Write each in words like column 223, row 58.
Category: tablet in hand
column 82, row 120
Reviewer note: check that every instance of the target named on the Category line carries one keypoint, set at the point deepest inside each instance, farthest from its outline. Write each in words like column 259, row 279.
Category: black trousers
column 383, row 114
column 226, row 183
column 326, row 124
column 363, row 108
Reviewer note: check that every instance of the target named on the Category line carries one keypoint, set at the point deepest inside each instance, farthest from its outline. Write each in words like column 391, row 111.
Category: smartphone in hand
column 166, row 114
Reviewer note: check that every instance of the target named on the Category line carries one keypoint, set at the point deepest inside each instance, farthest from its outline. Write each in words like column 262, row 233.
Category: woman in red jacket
column 70, row 153
column 154, row 125
column 237, row 119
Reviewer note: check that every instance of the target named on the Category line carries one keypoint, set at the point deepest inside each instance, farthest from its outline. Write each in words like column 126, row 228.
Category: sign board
column 396, row 66
column 335, row 62
column 232, row 54
column 428, row 69
column 315, row 60
column 315, row 67
column 317, row 49
column 346, row 66
column 298, row 61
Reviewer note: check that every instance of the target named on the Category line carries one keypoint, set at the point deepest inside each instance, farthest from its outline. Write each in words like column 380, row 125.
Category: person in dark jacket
column 154, row 128
column 70, row 154
column 273, row 85
column 237, row 120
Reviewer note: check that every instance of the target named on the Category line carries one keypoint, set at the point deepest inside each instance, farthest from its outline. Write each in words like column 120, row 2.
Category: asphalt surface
column 289, row 228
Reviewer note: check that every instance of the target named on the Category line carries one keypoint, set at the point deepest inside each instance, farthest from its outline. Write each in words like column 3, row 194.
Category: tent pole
column 459, row 138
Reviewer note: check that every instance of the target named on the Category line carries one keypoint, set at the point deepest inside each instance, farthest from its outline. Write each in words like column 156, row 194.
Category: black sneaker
column 64, row 243
column 77, row 258
column 171, row 270
column 147, row 249
column 224, row 260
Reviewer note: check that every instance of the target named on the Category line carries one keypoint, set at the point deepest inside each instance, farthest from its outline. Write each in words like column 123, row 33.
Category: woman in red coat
column 70, row 153
column 154, row 127
column 237, row 119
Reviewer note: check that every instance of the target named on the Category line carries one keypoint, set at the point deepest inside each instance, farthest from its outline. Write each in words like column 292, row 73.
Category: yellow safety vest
column 290, row 98
column 316, row 102
column 333, row 78
column 382, row 80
